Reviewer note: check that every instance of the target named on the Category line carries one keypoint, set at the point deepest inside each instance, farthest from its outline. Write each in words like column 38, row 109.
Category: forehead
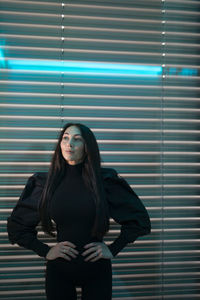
column 72, row 130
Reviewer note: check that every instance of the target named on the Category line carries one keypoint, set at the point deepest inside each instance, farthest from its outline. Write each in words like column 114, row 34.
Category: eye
column 65, row 138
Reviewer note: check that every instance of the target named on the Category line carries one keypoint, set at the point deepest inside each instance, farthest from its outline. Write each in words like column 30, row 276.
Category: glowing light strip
column 2, row 56
column 85, row 67
column 89, row 68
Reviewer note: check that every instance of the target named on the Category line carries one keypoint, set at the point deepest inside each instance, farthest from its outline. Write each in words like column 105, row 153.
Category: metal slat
column 97, row 107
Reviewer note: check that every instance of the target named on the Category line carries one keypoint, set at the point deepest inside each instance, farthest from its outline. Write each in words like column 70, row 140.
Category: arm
column 125, row 208
column 21, row 225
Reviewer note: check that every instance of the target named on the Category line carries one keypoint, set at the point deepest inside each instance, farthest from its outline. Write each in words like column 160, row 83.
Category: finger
column 65, row 256
column 67, row 243
column 69, row 252
column 69, row 249
column 74, row 251
column 95, row 259
column 93, row 255
column 72, row 255
column 89, row 245
column 92, row 249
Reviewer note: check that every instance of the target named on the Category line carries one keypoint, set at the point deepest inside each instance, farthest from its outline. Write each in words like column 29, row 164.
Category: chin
column 70, row 158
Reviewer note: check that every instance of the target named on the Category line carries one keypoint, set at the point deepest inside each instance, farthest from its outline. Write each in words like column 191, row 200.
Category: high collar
column 75, row 169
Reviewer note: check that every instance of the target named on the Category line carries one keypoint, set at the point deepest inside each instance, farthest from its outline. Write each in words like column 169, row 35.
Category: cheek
column 62, row 148
column 80, row 149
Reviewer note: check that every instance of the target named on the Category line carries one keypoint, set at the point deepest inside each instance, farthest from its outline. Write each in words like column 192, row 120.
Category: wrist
column 47, row 255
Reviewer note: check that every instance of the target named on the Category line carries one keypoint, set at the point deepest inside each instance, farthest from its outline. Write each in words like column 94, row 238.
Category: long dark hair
column 92, row 177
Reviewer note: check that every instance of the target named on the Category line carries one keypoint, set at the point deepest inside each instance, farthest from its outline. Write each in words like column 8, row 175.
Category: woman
column 80, row 197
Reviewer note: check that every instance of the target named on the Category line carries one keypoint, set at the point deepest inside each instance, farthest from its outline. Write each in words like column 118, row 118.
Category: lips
column 69, row 152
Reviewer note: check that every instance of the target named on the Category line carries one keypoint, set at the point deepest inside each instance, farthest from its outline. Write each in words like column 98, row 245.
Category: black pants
column 95, row 279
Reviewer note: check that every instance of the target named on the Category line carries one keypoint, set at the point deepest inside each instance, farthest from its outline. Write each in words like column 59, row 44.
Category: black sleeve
column 125, row 208
column 21, row 225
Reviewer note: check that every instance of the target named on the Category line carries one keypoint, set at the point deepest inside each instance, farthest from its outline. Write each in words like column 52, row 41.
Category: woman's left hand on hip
column 97, row 250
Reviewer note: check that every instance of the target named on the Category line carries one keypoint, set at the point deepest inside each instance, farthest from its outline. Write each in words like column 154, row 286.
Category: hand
column 63, row 249
column 97, row 250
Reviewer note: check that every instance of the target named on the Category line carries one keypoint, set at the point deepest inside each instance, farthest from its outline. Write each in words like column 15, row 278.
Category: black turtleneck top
column 73, row 208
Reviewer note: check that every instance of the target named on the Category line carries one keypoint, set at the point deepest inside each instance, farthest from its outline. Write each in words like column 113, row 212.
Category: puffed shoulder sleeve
column 21, row 225
column 125, row 208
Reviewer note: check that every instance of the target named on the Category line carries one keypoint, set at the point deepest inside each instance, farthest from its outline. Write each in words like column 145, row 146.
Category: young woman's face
column 72, row 145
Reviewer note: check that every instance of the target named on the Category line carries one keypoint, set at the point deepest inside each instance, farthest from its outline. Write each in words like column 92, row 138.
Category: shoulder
column 114, row 180
column 40, row 175
column 108, row 173
column 33, row 187
column 38, row 178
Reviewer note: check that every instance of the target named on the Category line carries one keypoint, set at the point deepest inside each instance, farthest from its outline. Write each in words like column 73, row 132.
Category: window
column 130, row 71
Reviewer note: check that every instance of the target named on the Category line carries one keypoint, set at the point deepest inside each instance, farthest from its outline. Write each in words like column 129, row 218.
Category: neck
column 73, row 162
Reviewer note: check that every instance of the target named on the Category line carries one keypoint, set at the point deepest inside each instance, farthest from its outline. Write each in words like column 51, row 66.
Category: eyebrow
column 74, row 134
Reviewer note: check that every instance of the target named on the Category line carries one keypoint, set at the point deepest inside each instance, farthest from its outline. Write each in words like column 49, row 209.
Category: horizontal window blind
column 181, row 135
column 129, row 70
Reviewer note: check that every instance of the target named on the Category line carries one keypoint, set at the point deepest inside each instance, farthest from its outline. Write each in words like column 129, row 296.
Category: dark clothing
column 124, row 207
column 74, row 220
column 95, row 279
column 73, row 210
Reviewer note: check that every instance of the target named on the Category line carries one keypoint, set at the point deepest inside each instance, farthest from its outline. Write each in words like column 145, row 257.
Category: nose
column 70, row 143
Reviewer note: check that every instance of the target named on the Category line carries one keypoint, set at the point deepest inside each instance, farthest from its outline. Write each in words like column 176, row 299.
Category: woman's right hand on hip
column 65, row 250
